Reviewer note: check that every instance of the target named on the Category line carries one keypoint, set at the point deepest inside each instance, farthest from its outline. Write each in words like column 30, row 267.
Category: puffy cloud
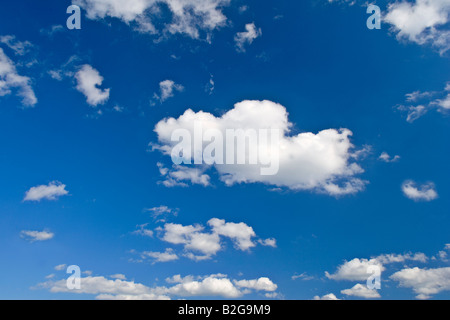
column 247, row 37
column 357, row 269
column 329, row 296
column 421, row 21
column 210, row 286
column 261, row 284
column 425, row 192
column 424, row 282
column 167, row 89
column 166, row 256
column 189, row 17
column 202, row 245
column 240, row 233
column 87, row 81
column 52, row 191
column 354, row 270
column 34, row 236
column 216, row 285
column 361, row 291
column 192, row 238
column 321, row 162
column 9, row 79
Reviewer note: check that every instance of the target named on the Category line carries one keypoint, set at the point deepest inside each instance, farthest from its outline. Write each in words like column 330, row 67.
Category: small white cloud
column 247, row 37
column 118, row 276
column 142, row 231
column 34, row 236
column 425, row 192
column 361, row 291
column 329, row 296
column 180, row 175
column 52, row 191
column 88, row 80
column 166, row 256
column 271, row 242
column 9, row 79
column 167, row 89
column 385, row 157
column 261, row 284
column 60, row 267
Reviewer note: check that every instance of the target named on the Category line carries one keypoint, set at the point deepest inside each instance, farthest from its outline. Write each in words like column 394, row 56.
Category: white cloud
column 215, row 285
column 9, row 79
column 202, row 245
column 167, row 89
column 424, row 282
column 387, row 158
column 166, row 256
column 271, row 242
column 240, row 233
column 60, row 267
column 194, row 18
column 400, row 258
column 52, row 191
column 354, row 270
column 247, row 37
column 304, row 276
column 87, row 81
column 425, row 101
column 329, row 296
column 421, row 21
column 19, row 47
column 142, row 231
column 118, row 276
column 179, row 175
column 261, row 284
column 34, row 236
column 161, row 213
column 425, row 192
column 321, row 162
column 361, row 291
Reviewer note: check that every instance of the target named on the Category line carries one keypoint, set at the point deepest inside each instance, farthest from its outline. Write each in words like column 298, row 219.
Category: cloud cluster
column 322, row 162
column 419, row 103
column 193, row 18
column 200, row 244
column 424, row 282
column 215, row 285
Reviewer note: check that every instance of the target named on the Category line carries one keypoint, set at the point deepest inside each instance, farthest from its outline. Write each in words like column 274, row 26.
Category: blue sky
column 79, row 178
